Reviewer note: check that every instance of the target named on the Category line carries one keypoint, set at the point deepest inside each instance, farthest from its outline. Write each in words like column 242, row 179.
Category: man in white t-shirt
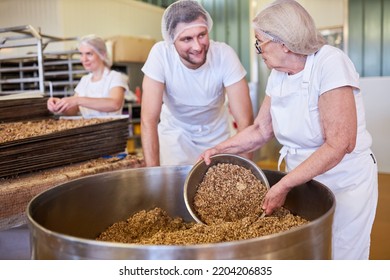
column 186, row 78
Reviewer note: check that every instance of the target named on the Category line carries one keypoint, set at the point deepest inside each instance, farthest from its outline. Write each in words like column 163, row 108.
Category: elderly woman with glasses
column 314, row 108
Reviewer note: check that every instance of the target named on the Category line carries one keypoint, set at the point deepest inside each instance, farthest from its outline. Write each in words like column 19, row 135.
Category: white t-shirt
column 100, row 89
column 194, row 115
column 197, row 88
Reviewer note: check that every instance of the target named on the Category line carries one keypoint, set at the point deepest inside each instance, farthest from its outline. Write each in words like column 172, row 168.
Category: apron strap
column 307, row 71
column 305, row 85
column 283, row 153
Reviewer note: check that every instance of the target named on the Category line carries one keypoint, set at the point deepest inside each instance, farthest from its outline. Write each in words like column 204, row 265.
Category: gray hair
column 99, row 46
column 286, row 21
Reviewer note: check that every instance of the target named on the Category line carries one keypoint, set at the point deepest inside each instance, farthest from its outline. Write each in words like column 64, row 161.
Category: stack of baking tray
column 13, row 108
column 63, row 147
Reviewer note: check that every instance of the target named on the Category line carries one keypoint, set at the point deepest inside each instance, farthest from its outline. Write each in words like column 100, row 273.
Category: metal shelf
column 18, row 69
column 20, row 37
column 64, row 70
column 26, row 66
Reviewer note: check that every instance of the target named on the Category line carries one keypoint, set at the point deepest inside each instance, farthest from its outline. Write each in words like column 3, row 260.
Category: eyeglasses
column 259, row 45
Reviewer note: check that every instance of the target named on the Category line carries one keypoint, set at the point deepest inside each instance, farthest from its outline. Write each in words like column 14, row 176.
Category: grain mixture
column 229, row 198
column 156, row 227
column 228, row 192
column 21, row 130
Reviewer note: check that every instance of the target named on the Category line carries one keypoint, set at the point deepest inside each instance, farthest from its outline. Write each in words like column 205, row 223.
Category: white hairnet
column 286, row 21
column 188, row 12
column 99, row 46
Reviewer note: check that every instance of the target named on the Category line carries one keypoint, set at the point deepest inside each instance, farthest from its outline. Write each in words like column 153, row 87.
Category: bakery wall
column 68, row 18
column 375, row 94
column 73, row 18
column 42, row 14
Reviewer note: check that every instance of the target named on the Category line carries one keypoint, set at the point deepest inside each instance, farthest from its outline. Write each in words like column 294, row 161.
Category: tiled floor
column 15, row 244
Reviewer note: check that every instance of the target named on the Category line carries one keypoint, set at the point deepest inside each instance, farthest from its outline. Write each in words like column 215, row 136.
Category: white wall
column 74, row 18
column 38, row 13
column 106, row 18
column 325, row 13
column 376, row 93
column 111, row 17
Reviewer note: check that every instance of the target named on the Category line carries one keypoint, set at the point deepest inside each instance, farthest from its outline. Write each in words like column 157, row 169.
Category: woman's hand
column 52, row 104
column 275, row 198
column 66, row 105
column 207, row 154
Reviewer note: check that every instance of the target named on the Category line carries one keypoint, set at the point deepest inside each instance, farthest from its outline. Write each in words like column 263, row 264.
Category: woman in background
column 99, row 93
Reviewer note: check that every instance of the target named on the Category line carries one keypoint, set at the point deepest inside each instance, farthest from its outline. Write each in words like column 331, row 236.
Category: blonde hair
column 286, row 21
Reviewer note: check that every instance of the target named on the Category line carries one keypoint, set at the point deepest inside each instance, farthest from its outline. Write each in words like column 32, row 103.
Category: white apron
column 183, row 138
column 297, row 127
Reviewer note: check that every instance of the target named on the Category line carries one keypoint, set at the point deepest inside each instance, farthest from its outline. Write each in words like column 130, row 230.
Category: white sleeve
column 234, row 71
column 80, row 88
column 119, row 80
column 154, row 65
column 337, row 70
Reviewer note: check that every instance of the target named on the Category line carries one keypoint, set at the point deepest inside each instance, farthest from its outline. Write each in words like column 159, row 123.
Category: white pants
column 354, row 182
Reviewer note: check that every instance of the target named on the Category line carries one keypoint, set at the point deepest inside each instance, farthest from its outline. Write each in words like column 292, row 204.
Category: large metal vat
column 65, row 220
